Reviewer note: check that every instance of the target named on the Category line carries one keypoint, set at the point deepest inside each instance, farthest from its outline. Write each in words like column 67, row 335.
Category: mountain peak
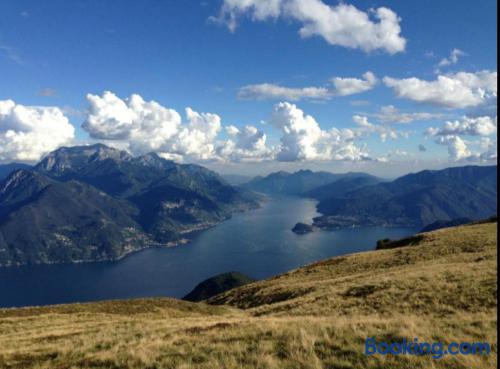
column 73, row 158
column 154, row 160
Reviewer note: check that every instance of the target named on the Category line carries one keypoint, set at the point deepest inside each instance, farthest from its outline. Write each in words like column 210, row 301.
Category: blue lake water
column 259, row 243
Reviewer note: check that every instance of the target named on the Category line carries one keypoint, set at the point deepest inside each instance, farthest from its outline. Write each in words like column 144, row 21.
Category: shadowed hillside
column 417, row 199
column 441, row 288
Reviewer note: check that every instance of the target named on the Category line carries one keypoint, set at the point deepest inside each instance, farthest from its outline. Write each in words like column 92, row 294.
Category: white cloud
column 457, row 148
column 141, row 127
column 351, row 86
column 459, row 90
column 367, row 128
column 303, row 140
column 112, row 118
column 29, row 132
column 452, row 59
column 480, row 126
column 259, row 10
column 247, row 144
column 196, row 140
column 270, row 91
column 342, row 25
column 391, row 114
column 340, row 87
column 148, row 126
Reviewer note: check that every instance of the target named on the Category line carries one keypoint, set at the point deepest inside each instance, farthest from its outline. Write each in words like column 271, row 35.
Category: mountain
column 443, row 288
column 236, row 179
column 6, row 169
column 298, row 183
column 416, row 199
column 45, row 221
column 98, row 203
column 342, row 186
column 216, row 285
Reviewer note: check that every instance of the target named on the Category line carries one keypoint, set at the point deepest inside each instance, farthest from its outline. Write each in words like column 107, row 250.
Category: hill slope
column 417, row 199
column 443, row 288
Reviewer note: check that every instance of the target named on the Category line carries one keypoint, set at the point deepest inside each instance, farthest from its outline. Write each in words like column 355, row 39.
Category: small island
column 302, row 228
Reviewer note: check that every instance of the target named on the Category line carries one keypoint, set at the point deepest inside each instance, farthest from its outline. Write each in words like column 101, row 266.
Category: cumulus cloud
column 140, row 127
column 451, row 133
column 391, row 114
column 459, row 90
column 246, row 144
column 457, row 148
column 480, row 126
column 351, row 86
column 112, row 118
column 303, row 139
column 148, row 126
column 368, row 128
column 29, row 132
column 339, row 87
column 342, row 25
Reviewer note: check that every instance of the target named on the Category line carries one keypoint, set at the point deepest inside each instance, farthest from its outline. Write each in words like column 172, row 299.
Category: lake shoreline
column 258, row 243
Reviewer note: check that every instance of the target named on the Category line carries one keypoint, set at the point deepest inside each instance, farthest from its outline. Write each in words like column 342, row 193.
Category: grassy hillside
column 442, row 288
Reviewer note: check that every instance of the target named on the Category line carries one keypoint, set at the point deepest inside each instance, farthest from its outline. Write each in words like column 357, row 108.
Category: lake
column 258, row 243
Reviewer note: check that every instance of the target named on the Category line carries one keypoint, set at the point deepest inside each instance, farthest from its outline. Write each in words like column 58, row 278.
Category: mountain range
column 417, row 199
column 299, row 183
column 93, row 203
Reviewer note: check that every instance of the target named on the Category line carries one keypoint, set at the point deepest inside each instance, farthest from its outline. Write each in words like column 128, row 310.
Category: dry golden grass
column 443, row 289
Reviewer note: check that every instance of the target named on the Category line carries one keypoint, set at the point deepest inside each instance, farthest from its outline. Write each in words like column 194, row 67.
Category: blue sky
column 54, row 53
